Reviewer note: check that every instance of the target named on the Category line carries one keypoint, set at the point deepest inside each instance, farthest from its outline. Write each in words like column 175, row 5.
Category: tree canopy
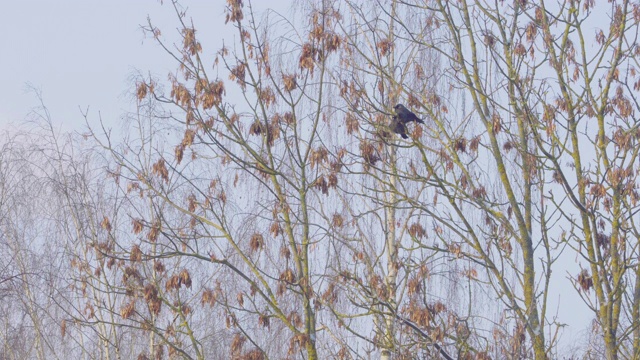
column 264, row 203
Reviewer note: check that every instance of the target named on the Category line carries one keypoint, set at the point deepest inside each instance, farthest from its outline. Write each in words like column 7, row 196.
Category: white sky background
column 78, row 53
column 84, row 53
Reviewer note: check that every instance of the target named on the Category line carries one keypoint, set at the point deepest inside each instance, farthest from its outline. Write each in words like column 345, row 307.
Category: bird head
column 398, row 107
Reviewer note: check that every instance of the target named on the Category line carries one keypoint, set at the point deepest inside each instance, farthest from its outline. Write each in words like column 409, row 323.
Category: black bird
column 400, row 120
column 398, row 127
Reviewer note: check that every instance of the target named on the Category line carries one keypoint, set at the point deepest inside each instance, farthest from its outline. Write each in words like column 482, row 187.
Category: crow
column 400, row 120
column 398, row 127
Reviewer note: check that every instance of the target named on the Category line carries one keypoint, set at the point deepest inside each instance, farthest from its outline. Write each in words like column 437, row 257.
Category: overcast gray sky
column 83, row 53
column 78, row 53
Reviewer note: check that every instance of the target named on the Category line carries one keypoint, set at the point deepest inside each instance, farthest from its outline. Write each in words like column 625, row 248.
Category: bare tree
column 232, row 224
column 504, row 121
column 263, row 204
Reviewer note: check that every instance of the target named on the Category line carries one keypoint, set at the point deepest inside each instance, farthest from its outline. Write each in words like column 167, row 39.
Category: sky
column 79, row 54
column 83, row 54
